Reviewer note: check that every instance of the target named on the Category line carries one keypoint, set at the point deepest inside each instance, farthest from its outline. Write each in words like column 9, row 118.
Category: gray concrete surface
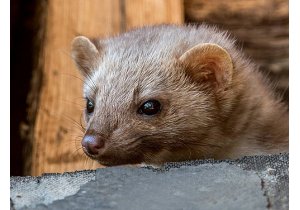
column 29, row 191
column 258, row 182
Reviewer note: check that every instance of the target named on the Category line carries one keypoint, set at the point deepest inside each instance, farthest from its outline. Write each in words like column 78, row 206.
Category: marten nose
column 92, row 144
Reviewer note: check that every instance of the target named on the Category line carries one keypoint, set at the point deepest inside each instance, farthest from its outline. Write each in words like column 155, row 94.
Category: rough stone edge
column 14, row 180
column 244, row 163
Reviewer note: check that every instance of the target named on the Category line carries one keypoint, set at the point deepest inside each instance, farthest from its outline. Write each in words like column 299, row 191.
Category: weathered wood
column 145, row 12
column 55, row 146
column 262, row 28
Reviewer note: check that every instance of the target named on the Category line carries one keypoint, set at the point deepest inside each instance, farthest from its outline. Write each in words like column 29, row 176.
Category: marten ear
column 85, row 54
column 208, row 63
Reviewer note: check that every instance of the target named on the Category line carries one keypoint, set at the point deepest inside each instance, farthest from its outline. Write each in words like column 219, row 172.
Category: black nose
column 92, row 144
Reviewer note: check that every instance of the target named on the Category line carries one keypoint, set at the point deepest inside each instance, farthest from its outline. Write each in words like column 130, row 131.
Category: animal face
column 148, row 101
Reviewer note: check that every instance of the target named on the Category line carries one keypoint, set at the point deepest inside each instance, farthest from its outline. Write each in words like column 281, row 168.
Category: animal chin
column 114, row 161
column 107, row 163
column 90, row 156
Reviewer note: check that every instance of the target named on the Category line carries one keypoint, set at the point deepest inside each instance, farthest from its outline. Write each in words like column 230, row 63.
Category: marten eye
column 150, row 107
column 89, row 106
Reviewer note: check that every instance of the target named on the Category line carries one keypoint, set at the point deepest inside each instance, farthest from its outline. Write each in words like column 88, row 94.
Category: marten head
column 152, row 94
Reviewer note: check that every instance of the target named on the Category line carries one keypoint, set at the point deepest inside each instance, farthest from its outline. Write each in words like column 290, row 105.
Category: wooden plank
column 56, row 126
column 61, row 105
column 149, row 12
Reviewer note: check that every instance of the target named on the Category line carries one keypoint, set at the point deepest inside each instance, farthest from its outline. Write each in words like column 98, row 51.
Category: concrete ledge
column 257, row 182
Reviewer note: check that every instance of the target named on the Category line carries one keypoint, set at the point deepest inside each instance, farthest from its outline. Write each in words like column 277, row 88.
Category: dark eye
column 89, row 106
column 150, row 107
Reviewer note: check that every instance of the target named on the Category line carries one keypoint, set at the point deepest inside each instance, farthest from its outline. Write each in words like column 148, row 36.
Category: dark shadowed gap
column 23, row 57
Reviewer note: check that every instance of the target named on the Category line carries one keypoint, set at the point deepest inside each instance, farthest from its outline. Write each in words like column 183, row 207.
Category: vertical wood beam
column 57, row 135
column 148, row 12
column 55, row 148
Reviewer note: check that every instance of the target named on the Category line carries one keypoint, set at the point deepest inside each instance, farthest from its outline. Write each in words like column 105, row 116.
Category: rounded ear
column 208, row 63
column 85, row 54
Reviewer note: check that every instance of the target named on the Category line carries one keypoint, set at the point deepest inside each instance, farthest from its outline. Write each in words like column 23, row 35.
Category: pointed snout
column 93, row 144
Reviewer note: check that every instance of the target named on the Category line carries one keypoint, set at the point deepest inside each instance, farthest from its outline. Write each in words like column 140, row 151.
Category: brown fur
column 198, row 120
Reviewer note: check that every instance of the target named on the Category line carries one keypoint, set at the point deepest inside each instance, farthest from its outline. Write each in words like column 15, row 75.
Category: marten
column 174, row 93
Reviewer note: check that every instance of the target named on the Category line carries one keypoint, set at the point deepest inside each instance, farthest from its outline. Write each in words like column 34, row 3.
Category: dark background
column 23, row 31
